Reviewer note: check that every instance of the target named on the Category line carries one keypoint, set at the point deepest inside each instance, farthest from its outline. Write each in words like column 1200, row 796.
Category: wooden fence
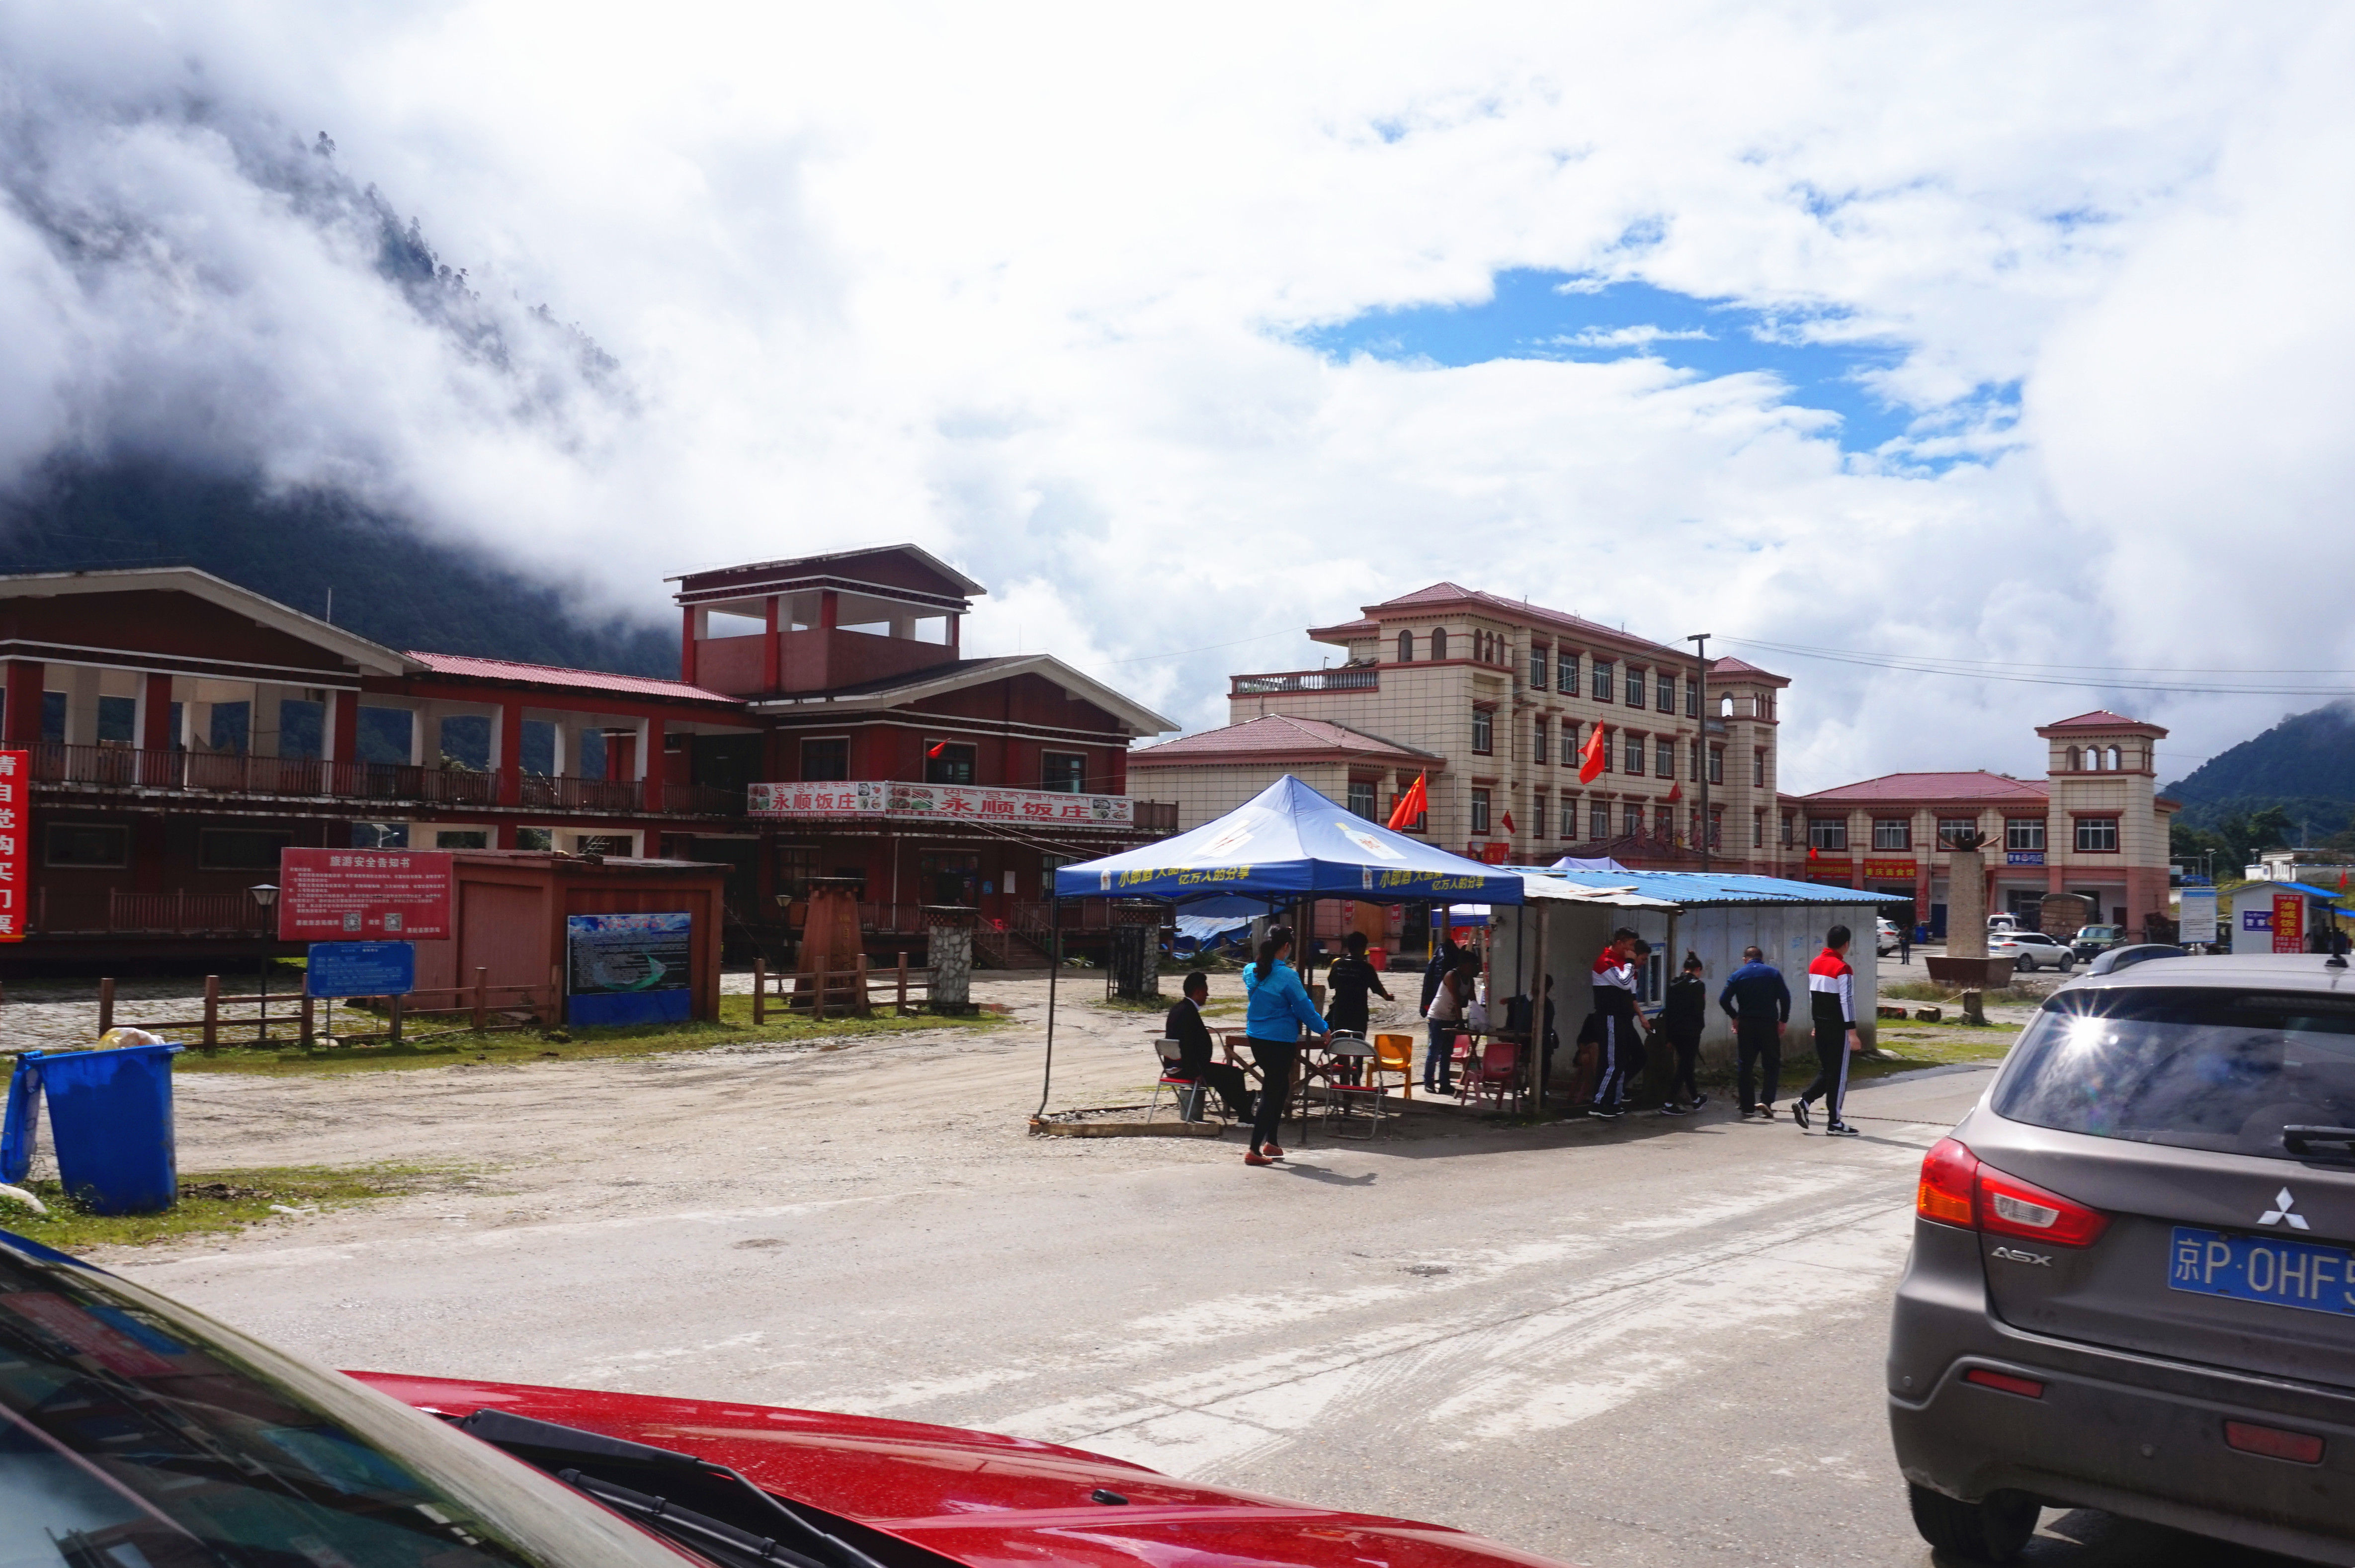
column 241, row 1019
column 839, row 991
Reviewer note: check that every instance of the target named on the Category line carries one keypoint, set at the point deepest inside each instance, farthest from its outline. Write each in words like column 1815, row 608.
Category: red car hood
column 991, row 1501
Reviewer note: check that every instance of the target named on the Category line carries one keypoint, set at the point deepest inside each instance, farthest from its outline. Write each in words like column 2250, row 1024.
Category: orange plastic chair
column 1393, row 1053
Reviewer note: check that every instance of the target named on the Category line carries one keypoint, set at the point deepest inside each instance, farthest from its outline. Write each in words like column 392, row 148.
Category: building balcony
column 1354, row 677
column 104, row 771
column 110, row 912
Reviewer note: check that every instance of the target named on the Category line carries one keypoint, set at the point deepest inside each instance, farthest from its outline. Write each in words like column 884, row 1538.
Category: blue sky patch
column 1538, row 314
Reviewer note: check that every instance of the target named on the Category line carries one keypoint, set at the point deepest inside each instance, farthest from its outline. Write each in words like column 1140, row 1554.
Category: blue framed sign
column 628, row 968
column 2023, row 856
column 361, row 969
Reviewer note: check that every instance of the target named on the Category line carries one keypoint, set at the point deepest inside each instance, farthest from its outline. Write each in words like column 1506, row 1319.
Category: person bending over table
column 1279, row 1007
column 1185, row 1026
column 1348, row 983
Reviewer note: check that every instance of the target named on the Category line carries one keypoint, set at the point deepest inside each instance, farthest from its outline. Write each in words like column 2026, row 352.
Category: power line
column 1925, row 664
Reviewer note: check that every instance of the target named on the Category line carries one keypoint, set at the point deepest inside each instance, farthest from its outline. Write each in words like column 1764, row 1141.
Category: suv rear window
column 2192, row 1067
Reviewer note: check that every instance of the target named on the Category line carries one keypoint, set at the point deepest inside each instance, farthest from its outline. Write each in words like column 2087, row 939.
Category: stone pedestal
column 1966, row 904
column 949, row 931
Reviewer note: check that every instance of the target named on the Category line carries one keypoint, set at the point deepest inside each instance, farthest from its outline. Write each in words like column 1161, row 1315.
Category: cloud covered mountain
column 1866, row 333
column 2304, row 765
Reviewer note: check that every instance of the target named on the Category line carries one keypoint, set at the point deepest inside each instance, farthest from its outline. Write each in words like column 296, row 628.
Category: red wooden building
column 182, row 730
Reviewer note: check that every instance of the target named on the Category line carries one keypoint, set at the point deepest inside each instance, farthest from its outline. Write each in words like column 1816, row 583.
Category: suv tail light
column 1958, row 1188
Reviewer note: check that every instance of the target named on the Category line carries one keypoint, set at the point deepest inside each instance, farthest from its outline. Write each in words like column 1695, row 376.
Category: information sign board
column 350, row 894
column 15, row 832
column 2289, row 922
column 936, row 803
column 628, row 968
column 361, row 969
column 1880, row 869
column 2198, row 923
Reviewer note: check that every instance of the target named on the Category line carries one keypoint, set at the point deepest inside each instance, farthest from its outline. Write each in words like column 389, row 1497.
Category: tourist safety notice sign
column 16, row 800
column 328, row 895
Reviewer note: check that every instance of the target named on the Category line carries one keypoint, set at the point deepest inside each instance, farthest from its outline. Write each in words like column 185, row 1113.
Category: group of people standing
column 1279, row 1014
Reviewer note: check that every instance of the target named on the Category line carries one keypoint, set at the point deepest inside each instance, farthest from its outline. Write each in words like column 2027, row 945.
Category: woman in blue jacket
column 1279, row 1006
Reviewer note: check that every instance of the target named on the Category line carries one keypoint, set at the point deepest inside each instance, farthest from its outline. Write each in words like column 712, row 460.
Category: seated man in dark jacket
column 1197, row 1051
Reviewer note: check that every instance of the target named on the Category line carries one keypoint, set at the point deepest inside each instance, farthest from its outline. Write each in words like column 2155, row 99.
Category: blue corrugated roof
column 1696, row 889
column 2308, row 888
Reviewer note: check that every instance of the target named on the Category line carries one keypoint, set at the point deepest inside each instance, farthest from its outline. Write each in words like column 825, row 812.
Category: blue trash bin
column 112, row 1114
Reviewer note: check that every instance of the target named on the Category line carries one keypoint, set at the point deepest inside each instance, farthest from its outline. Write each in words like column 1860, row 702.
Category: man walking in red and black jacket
column 1618, row 1033
column 1831, row 995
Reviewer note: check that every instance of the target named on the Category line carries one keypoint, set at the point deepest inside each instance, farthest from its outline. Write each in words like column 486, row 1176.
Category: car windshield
column 2191, row 1067
column 135, row 1433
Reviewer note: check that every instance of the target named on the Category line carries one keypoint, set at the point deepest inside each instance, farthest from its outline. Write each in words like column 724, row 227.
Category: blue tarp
column 1698, row 890
column 1289, row 841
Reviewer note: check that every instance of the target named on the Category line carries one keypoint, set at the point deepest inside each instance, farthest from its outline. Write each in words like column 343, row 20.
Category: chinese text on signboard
column 629, row 968
column 2289, row 922
column 15, row 798
column 937, row 803
column 2198, row 917
column 1886, row 870
column 348, row 894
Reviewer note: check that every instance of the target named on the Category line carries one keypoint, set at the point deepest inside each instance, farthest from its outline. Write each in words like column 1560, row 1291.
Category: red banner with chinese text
column 15, row 832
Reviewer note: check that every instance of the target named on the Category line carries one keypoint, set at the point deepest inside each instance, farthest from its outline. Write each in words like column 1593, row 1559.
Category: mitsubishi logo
column 2283, row 1203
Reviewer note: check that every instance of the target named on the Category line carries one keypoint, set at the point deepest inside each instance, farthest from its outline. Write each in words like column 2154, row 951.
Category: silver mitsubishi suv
column 2133, row 1279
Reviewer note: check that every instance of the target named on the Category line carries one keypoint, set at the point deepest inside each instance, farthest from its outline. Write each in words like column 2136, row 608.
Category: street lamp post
column 1699, row 640
column 266, row 895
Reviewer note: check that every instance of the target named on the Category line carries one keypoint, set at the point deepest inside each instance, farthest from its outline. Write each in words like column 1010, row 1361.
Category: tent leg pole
column 1537, row 1020
column 1054, row 971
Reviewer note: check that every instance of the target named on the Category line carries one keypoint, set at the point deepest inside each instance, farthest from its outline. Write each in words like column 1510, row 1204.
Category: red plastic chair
column 1498, row 1074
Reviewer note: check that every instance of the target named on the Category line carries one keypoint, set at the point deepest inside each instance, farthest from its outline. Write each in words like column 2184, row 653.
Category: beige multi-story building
column 1492, row 701
column 2094, row 826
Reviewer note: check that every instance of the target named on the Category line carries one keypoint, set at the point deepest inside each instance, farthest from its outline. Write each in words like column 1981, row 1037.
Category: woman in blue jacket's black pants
column 1279, row 1006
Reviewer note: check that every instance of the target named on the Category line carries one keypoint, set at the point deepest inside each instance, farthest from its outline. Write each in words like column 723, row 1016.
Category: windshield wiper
column 2302, row 1139
column 723, row 1542
column 661, row 1484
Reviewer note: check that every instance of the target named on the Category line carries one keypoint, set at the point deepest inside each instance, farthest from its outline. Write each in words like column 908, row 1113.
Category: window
column 461, row 838
column 2069, row 763
column 1480, row 810
column 1537, row 666
column 1484, row 730
column 1565, row 673
column 53, row 718
column 1828, row 833
column 86, row 844
column 1632, row 819
column 239, row 849
column 1540, row 813
column 1635, row 689
column 1570, row 742
column 1789, row 829
column 1598, row 820
column 948, row 762
column 1439, row 644
column 2111, row 761
column 2097, row 835
column 1606, row 681
column 232, row 728
column 1665, row 692
column 1664, row 758
column 465, row 745
column 1610, row 739
column 1692, row 699
column 1892, row 833
column 1362, row 798
column 1634, row 752
column 1758, row 830
column 534, row 838
column 2023, row 833
column 826, row 762
column 1406, row 647
column 1063, row 773
column 1716, row 764
column 118, row 720
column 1538, row 741
column 1758, row 769
column 1569, row 818
column 1949, row 827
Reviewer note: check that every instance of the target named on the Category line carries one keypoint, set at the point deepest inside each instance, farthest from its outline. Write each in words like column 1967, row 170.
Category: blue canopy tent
column 1287, row 844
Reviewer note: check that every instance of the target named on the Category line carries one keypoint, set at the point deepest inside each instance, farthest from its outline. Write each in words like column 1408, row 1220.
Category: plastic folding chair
column 1393, row 1053
column 1354, row 1106
column 1497, row 1074
column 1187, row 1096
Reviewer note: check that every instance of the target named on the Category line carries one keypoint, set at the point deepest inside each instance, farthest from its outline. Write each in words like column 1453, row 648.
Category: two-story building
column 2094, row 826
column 1492, row 702
column 182, row 730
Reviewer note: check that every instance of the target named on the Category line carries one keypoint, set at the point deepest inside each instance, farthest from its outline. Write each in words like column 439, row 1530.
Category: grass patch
column 216, row 1201
column 1929, row 991
column 733, row 1027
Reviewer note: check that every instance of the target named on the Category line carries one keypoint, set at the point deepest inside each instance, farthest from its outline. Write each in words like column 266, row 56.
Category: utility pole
column 1699, row 641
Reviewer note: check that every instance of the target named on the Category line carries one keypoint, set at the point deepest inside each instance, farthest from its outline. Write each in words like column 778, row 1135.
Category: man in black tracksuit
column 1759, row 1003
column 1684, row 1010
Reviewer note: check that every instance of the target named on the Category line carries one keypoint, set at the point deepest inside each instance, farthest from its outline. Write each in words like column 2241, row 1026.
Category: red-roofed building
column 1491, row 700
column 182, row 730
column 2094, row 826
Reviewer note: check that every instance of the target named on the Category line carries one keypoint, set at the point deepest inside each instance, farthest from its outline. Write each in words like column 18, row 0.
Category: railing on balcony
column 1347, row 679
column 111, row 911
column 561, row 794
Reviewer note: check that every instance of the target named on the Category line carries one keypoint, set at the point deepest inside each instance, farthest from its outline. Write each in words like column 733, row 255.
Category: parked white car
column 2030, row 950
column 1884, row 938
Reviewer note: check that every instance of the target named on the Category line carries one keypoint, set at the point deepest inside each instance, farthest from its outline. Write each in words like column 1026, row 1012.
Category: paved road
column 1651, row 1344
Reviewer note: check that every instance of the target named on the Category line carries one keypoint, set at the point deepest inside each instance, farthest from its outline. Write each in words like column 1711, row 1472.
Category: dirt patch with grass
column 218, row 1202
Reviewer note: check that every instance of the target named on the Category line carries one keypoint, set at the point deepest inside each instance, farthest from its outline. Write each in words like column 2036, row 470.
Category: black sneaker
column 1672, row 1109
column 1608, row 1112
column 1841, row 1130
column 1699, row 1100
column 1767, row 1110
column 1799, row 1113
column 1748, row 1111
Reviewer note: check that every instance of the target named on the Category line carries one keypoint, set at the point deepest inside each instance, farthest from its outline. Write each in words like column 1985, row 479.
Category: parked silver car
column 2133, row 1279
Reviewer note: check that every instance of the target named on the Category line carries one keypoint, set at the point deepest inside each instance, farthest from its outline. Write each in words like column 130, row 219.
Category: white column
column 80, row 683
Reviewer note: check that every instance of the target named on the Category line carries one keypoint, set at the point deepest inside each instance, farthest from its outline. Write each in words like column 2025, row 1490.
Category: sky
column 1900, row 337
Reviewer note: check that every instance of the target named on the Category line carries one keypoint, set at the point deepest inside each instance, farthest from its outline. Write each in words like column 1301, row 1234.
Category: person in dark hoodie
column 1684, row 1012
column 1759, row 1003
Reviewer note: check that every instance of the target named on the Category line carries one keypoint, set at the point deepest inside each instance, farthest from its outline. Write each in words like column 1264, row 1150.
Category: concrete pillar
column 343, row 726
column 692, row 622
column 1966, row 904
column 507, row 759
column 773, row 644
column 261, row 720
column 650, row 762
column 80, row 685
column 830, row 610
column 950, row 954
column 156, row 714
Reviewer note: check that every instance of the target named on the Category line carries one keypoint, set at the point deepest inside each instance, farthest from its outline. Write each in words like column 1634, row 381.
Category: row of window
column 1628, row 757
column 827, row 759
column 106, row 847
column 2095, row 835
column 1608, row 682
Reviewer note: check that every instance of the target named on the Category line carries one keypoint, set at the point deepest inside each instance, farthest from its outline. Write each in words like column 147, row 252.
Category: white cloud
column 1017, row 285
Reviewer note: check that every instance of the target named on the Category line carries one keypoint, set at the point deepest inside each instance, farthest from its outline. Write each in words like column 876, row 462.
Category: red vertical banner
column 2289, row 920
column 15, row 832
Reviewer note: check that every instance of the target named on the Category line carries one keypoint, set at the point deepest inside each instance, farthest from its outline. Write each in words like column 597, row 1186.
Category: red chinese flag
column 1508, row 823
column 1675, row 792
column 1410, row 805
column 937, row 748
column 1590, row 757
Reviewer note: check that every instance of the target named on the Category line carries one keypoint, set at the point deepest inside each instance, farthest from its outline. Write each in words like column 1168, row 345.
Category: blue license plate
column 2263, row 1268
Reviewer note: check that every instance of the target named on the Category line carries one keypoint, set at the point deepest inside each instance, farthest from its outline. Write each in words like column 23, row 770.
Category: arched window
column 2111, row 762
column 1725, row 707
column 1439, row 644
column 1406, row 647
column 2074, row 765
